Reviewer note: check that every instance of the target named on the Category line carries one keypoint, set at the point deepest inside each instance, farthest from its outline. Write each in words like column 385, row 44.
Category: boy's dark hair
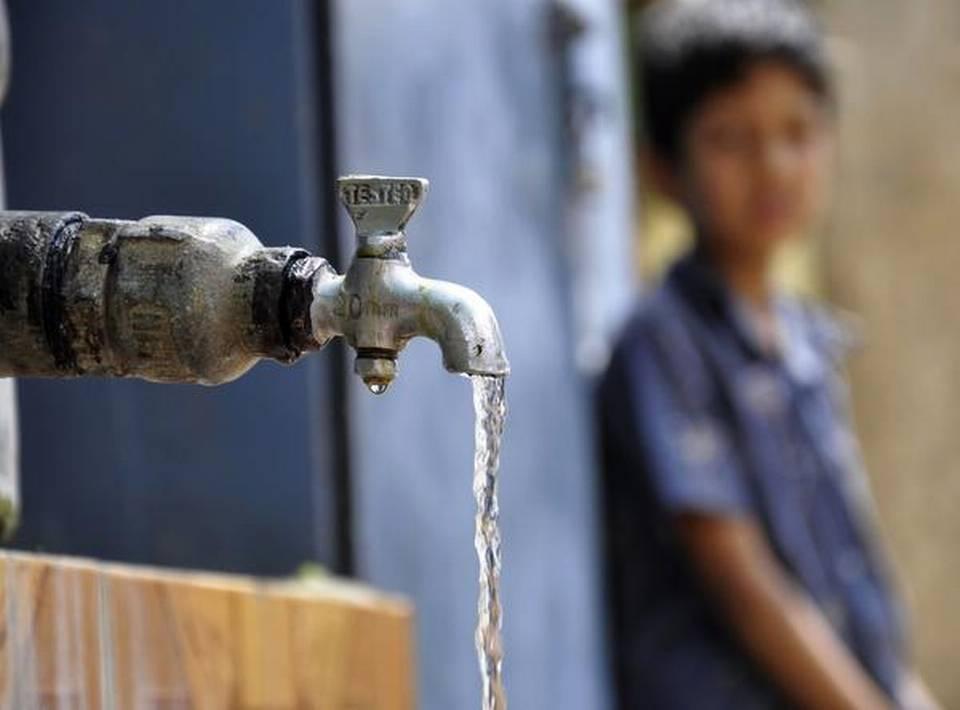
column 688, row 49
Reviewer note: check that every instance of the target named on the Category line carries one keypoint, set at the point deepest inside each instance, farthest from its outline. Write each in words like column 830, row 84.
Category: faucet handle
column 379, row 205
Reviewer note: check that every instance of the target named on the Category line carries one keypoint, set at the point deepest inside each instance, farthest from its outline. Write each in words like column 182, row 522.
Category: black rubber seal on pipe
column 296, row 295
column 56, row 329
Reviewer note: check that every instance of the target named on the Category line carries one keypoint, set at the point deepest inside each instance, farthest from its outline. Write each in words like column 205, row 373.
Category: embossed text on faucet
column 387, row 193
column 355, row 308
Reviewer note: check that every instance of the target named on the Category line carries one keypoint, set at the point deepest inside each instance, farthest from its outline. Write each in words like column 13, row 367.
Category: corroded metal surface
column 169, row 299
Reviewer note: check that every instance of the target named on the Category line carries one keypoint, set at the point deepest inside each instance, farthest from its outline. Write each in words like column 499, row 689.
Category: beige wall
column 893, row 256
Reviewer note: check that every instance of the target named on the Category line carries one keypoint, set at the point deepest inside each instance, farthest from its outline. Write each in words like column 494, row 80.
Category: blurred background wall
column 891, row 255
column 517, row 113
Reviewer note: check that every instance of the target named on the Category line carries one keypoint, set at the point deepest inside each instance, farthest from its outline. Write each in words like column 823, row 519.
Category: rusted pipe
column 168, row 299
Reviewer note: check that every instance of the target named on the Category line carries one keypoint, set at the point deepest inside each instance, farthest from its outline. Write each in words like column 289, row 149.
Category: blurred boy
column 744, row 570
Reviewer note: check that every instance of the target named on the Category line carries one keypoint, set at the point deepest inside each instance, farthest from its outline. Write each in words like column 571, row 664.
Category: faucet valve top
column 380, row 206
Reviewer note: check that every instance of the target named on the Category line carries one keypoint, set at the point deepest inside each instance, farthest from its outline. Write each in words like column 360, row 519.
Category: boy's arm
column 778, row 624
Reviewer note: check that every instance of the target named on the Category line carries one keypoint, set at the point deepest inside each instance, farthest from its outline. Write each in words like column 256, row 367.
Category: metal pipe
column 169, row 299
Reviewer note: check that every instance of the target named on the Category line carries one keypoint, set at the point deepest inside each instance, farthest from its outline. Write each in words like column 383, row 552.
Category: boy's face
column 756, row 160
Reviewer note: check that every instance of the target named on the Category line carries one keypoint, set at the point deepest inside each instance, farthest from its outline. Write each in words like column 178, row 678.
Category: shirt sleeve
column 686, row 449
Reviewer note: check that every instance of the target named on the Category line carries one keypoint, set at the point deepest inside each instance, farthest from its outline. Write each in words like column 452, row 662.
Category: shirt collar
column 802, row 335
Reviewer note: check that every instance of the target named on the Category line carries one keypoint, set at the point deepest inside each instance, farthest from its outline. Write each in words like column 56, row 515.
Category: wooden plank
column 76, row 634
column 49, row 634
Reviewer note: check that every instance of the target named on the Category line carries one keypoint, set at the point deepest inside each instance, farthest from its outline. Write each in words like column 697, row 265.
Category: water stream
column 489, row 402
column 23, row 691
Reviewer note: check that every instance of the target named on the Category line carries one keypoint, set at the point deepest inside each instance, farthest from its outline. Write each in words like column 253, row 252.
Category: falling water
column 490, row 406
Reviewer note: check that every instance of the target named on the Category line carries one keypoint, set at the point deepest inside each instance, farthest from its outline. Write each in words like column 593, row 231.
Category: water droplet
column 377, row 387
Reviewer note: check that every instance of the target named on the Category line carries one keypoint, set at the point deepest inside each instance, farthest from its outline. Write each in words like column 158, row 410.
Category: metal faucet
column 197, row 299
column 381, row 302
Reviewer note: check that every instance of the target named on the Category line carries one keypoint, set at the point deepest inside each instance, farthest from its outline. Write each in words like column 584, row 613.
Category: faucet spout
column 464, row 326
column 381, row 303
